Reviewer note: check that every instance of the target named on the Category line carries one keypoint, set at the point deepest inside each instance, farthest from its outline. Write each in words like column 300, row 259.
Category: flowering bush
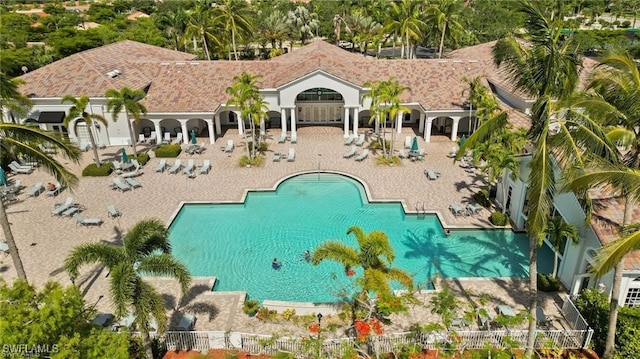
column 314, row 328
column 362, row 329
column 378, row 329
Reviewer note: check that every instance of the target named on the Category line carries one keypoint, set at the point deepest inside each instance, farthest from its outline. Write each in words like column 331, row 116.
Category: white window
column 633, row 298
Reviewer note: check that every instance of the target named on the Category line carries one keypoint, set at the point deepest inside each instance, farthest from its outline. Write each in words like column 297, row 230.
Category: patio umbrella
column 125, row 158
column 414, row 144
column 463, row 139
column 3, row 177
column 194, row 140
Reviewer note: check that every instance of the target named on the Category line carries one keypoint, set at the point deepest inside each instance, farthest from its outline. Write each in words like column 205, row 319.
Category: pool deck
column 45, row 240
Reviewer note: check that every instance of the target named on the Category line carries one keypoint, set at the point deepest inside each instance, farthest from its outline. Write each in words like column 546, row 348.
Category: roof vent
column 114, row 73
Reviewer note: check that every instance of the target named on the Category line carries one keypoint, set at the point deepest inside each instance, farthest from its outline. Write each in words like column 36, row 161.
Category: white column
column 185, row 133
column 262, row 131
column 212, row 134
column 346, row 121
column 293, row 120
column 427, row 130
column 399, row 122
column 356, row 120
column 240, row 123
column 159, row 134
column 283, row 119
column 454, row 129
column 421, row 123
column 217, row 120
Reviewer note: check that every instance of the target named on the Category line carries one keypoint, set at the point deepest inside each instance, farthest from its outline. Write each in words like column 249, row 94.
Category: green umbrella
column 3, row 177
column 194, row 140
column 125, row 157
column 414, row 144
column 463, row 139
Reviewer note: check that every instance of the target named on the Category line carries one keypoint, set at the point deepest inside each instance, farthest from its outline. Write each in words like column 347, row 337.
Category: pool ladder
column 421, row 208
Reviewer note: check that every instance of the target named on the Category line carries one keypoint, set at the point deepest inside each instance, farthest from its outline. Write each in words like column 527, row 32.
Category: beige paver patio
column 45, row 240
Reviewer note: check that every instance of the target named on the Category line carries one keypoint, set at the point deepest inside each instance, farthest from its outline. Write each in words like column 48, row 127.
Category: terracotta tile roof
column 608, row 213
column 86, row 72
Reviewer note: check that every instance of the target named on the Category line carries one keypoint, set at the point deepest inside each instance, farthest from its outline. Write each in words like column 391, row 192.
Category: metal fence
column 572, row 315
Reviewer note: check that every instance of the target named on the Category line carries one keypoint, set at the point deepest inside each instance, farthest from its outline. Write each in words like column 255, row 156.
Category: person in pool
column 307, row 256
column 275, row 264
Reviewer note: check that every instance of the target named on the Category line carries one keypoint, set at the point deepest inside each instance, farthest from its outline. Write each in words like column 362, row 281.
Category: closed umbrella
column 3, row 177
column 463, row 139
column 414, row 144
column 194, row 140
column 125, row 157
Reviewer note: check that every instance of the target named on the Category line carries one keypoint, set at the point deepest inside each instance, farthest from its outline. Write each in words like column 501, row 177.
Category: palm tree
column 235, row 16
column 500, row 159
column 11, row 98
column 200, row 26
column 127, row 99
column 245, row 95
column 374, row 255
column 546, row 69
column 145, row 250
column 558, row 231
column 78, row 110
column 175, row 24
column 447, row 15
column 405, row 19
column 274, row 28
column 303, row 23
column 385, row 103
column 25, row 139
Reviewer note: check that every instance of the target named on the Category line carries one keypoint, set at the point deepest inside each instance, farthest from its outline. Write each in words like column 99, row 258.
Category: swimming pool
column 237, row 242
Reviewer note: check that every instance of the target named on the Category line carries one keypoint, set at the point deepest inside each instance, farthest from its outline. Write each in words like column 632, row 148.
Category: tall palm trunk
column 133, row 140
column 533, row 294
column 233, row 42
column 444, row 30
column 94, row 148
column 610, row 342
column 204, row 45
column 253, row 139
column 13, row 249
column 394, row 129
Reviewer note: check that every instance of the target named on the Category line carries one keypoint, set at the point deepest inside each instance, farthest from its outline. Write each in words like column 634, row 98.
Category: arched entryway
column 319, row 106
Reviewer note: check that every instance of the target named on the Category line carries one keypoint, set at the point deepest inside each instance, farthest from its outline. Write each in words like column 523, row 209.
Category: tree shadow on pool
column 493, row 245
column 192, row 302
column 431, row 247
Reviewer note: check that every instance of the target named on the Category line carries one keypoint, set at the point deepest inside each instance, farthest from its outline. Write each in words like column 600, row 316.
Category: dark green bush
column 168, row 151
column 142, row 158
column 548, row 283
column 499, row 219
column 482, row 198
column 93, row 170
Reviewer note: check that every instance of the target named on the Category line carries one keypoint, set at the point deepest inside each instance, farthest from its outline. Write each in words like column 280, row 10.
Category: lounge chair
column 229, row 147
column 506, row 310
column 294, row 137
column 153, row 138
column 402, row 154
column 4, row 248
column 36, row 189
column 360, row 140
column 199, row 148
column 484, row 319
column 176, row 167
column 18, row 169
column 118, row 184
column 136, row 164
column 102, row 320
column 457, row 209
column 189, row 167
column 134, row 173
column 167, row 138
column 141, row 138
column 26, row 163
column 283, row 137
column 46, row 150
column 73, row 209
column 133, row 183
column 348, row 140
column 161, row 165
column 351, row 152
column 453, row 152
column 19, row 165
column 206, row 166
column 84, row 146
column 87, row 221
column 54, row 192
column 473, row 209
column 407, row 142
column 112, row 211
column 420, row 155
column 61, row 207
column 431, row 174
column 363, row 155
column 116, row 167
column 277, row 157
column 186, row 323
column 541, row 318
column 291, row 156
column 178, row 138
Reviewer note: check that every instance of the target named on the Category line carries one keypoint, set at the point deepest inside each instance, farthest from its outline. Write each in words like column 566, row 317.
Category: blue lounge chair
column 161, row 165
column 363, row 155
column 351, row 152
column 457, row 210
column 87, row 221
column 73, row 209
column 36, row 189
column 431, row 174
column 133, row 183
column 189, row 167
column 118, row 184
column 112, row 211
column 176, row 167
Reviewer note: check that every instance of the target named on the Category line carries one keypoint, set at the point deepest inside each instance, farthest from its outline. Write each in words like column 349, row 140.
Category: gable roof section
column 86, row 72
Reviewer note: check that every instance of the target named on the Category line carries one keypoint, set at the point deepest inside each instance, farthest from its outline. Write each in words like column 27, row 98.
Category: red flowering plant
column 314, row 328
column 362, row 329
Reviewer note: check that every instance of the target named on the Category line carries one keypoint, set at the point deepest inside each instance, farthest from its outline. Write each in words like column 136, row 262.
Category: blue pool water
column 237, row 242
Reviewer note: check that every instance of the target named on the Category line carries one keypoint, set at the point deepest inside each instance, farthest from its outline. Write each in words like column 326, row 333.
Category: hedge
column 168, row 151
column 142, row 158
column 93, row 170
column 499, row 219
column 548, row 283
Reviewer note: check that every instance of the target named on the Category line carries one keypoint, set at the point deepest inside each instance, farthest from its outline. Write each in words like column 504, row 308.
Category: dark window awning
column 51, row 116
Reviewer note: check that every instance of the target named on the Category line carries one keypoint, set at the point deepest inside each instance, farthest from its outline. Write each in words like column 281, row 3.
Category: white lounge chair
column 84, row 146
column 407, row 142
column 457, row 210
column 176, row 167
column 153, row 138
column 277, row 156
column 363, row 155
column 229, row 147
column 402, row 154
column 473, row 209
column 206, row 166
column 283, row 137
column 294, row 137
column 54, row 192
column 348, row 140
column 167, row 138
column 351, row 152
column 112, row 211
column 46, row 150
column 18, row 169
column 36, row 189
column 141, row 138
column 59, row 208
column 134, row 173
column 360, row 140
column 292, row 155
column 87, row 221
column 118, row 184
column 189, row 167
column 116, row 167
column 161, row 165
column 19, row 165
column 178, row 139
column 431, row 174
column 133, row 183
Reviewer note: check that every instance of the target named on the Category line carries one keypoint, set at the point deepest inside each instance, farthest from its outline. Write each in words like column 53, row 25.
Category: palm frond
column 122, row 287
column 613, row 253
column 376, row 281
column 335, row 251
column 487, row 130
column 105, row 254
column 146, row 237
column 165, row 265
column 401, row 277
column 147, row 304
column 541, row 189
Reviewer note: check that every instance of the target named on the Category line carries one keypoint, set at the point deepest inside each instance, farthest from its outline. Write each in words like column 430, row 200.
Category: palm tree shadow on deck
column 190, row 303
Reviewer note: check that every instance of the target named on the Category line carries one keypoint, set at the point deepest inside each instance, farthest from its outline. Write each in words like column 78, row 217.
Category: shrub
column 548, row 283
column 245, row 161
column 625, row 24
column 93, row 170
column 172, row 150
column 393, row 161
column 288, row 314
column 482, row 198
column 262, row 147
column 250, row 307
column 498, row 219
column 377, row 145
column 142, row 158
